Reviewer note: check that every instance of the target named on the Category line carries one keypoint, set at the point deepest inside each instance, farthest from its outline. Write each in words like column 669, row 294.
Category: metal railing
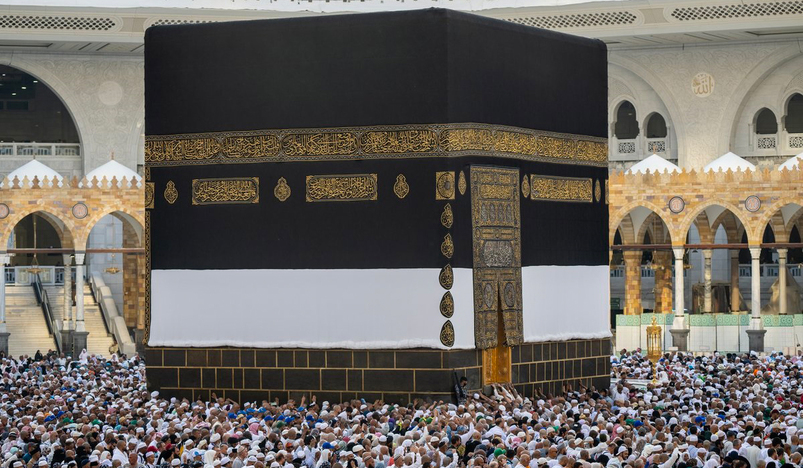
column 40, row 149
column 115, row 323
column 44, row 302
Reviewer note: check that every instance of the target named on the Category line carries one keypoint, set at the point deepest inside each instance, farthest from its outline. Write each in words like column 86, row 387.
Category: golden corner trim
column 567, row 189
column 244, row 190
column 348, row 187
column 378, row 142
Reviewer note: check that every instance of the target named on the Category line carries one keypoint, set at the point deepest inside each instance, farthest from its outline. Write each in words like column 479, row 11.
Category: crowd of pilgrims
column 719, row 410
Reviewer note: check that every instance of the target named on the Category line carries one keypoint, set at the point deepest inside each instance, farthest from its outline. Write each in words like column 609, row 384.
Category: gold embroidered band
column 225, row 191
column 552, row 188
column 380, row 142
column 350, row 187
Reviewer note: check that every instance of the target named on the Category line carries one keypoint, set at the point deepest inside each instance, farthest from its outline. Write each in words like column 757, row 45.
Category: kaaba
column 371, row 205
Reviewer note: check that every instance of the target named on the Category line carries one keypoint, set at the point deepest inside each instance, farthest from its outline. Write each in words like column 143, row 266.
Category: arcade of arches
column 751, row 218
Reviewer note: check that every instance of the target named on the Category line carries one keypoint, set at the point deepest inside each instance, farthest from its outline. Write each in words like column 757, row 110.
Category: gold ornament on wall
column 597, row 191
column 447, row 304
column 444, row 185
column 149, row 192
column 171, row 194
column 400, row 188
column 447, row 218
column 446, row 277
column 461, row 183
column 447, row 334
column 525, row 186
column 447, row 246
column 282, row 190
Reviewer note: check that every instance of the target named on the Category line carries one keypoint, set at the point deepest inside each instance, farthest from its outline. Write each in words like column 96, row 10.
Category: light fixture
column 24, row 87
column 13, row 94
column 36, row 81
column 34, row 269
column 112, row 270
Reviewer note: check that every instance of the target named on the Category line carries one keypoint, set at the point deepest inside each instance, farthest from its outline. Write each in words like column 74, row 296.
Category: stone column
column 782, row 280
column 632, row 282
column 735, row 296
column 756, row 332
column 80, row 333
column 4, row 334
column 663, row 282
column 67, row 326
column 707, row 254
column 679, row 331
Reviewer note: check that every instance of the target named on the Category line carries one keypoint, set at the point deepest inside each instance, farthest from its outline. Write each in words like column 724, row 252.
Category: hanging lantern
column 34, row 268
column 112, row 270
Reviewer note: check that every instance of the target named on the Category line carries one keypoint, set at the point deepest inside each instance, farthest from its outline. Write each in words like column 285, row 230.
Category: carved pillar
column 632, row 282
column 756, row 332
column 663, row 282
column 679, row 331
column 782, row 279
column 735, row 296
column 67, row 316
column 707, row 254
column 80, row 326
column 4, row 260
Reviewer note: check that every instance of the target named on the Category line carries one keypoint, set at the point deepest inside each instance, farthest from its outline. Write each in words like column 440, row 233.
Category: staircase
column 26, row 323
column 98, row 341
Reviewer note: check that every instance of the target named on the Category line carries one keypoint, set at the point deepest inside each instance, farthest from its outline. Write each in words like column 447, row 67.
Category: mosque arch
column 655, row 126
column 49, row 118
column 130, row 220
column 626, row 126
column 714, row 208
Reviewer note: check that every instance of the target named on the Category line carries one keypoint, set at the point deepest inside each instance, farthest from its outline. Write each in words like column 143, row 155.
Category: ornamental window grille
column 579, row 20
column 737, row 10
column 796, row 141
column 766, row 143
column 656, row 146
column 627, row 147
column 57, row 22
column 172, row 21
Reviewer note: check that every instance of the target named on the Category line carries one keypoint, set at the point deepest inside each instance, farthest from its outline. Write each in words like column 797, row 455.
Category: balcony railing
column 656, row 145
column 795, row 140
column 40, row 149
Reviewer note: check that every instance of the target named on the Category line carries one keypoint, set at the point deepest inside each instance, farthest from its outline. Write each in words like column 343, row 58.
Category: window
column 656, row 126
column 794, row 114
column 626, row 127
column 766, row 124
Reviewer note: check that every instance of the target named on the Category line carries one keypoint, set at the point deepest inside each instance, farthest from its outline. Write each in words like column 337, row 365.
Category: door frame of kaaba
column 496, row 241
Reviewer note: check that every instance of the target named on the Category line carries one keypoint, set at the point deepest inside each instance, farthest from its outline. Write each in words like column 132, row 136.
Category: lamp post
column 654, row 346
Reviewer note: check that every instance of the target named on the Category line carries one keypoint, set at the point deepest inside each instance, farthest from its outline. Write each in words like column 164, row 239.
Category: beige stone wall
column 700, row 191
column 119, row 199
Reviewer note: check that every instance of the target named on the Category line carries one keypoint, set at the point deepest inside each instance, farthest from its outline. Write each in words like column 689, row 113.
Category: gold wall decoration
column 319, row 144
column 447, row 246
column 149, row 194
column 447, row 217
column 399, row 142
column 446, row 277
column 400, row 188
column 376, row 142
column 171, row 193
column 447, row 334
column 553, row 188
column 447, row 304
column 525, row 186
column 597, row 191
column 444, row 186
column 282, row 190
column 496, row 223
column 349, row 187
column 461, row 183
column 226, row 191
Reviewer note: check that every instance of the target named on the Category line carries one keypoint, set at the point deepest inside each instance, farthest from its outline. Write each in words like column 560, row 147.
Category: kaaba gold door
column 496, row 361
column 497, row 268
